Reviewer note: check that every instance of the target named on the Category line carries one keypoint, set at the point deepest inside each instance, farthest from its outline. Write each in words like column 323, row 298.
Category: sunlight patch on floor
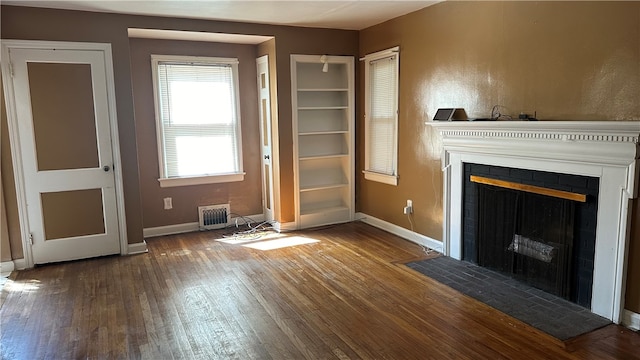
column 266, row 240
column 280, row 243
column 243, row 238
column 28, row 286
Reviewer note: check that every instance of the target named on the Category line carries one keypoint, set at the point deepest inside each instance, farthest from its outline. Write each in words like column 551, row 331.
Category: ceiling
column 338, row 14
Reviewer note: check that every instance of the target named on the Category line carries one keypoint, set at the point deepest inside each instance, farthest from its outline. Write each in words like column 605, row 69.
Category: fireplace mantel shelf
column 618, row 131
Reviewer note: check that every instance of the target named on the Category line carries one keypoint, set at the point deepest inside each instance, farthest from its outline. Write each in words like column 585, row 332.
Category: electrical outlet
column 168, row 204
column 409, row 208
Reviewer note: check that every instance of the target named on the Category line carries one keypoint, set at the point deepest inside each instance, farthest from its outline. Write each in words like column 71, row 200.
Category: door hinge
column 31, row 239
column 11, row 68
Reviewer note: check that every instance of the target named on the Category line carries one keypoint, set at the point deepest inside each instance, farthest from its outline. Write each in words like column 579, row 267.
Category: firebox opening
column 545, row 241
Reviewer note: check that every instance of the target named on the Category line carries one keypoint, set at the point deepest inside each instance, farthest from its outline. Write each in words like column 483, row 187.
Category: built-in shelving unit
column 323, row 128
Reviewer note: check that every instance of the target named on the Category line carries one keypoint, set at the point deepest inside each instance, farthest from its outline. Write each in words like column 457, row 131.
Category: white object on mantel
column 608, row 150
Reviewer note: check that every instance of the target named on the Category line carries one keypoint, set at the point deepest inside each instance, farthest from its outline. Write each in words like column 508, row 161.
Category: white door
column 63, row 123
column 265, row 136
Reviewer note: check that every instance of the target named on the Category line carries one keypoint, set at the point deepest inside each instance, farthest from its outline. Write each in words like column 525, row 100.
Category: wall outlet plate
column 168, row 203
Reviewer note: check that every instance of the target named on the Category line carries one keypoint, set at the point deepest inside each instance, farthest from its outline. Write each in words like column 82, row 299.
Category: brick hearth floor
column 555, row 316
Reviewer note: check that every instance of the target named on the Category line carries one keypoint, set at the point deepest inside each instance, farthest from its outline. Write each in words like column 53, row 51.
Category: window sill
column 383, row 178
column 200, row 180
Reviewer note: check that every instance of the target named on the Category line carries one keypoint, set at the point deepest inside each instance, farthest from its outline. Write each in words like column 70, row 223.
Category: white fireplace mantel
column 608, row 150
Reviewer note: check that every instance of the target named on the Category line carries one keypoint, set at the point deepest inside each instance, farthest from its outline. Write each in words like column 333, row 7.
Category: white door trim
column 12, row 120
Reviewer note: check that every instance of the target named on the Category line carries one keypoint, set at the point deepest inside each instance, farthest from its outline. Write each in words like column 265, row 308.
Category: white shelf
column 322, row 133
column 324, row 209
column 320, row 89
column 323, row 107
column 310, row 74
column 320, row 157
column 325, row 144
column 322, row 187
column 323, row 123
column 323, row 118
column 325, row 216
column 322, row 99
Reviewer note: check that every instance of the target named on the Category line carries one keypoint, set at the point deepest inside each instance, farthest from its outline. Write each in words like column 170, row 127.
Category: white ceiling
column 339, row 14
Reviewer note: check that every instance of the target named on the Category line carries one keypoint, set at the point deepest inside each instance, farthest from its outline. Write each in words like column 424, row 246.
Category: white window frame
column 386, row 178
column 166, row 181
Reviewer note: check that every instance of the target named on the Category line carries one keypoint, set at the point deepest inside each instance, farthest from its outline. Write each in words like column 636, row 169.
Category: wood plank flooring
column 346, row 296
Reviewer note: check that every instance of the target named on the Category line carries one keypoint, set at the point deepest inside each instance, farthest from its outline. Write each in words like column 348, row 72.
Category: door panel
column 267, row 186
column 63, row 116
column 54, row 112
column 82, row 216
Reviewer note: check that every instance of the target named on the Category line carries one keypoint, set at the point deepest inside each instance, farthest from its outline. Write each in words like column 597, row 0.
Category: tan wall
column 564, row 60
column 10, row 238
column 39, row 24
column 61, row 25
column 5, row 247
column 245, row 197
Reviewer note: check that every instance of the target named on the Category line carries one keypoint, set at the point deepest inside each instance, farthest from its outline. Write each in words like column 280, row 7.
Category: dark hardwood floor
column 346, row 296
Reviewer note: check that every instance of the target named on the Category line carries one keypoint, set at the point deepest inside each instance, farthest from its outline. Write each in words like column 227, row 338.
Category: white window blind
column 381, row 116
column 198, row 120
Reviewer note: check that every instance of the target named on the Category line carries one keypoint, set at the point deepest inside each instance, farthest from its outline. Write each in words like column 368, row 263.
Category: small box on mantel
column 450, row 114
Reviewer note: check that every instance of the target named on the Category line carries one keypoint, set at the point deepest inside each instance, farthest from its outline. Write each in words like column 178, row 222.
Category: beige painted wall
column 564, row 60
column 10, row 238
column 61, row 25
column 5, row 247
column 245, row 197
column 39, row 24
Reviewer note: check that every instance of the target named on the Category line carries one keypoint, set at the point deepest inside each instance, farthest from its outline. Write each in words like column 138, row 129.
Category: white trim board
column 190, row 227
column 6, row 267
column 20, row 264
column 283, row 227
column 631, row 319
column 400, row 231
column 170, row 229
column 137, row 248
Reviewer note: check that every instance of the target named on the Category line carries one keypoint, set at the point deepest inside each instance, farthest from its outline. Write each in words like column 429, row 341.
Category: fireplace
column 535, row 226
column 602, row 152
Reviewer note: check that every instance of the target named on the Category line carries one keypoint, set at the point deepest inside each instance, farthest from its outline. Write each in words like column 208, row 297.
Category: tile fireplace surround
column 608, row 150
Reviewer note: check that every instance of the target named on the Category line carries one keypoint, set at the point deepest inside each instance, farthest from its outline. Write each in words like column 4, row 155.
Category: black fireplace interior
column 544, row 241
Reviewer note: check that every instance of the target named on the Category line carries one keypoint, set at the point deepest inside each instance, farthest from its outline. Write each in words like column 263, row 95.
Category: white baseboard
column 631, row 319
column 6, row 267
column 284, row 227
column 170, row 229
column 191, row 227
column 402, row 232
column 137, row 248
column 20, row 264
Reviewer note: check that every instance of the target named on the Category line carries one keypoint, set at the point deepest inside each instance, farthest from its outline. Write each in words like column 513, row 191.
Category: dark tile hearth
column 553, row 315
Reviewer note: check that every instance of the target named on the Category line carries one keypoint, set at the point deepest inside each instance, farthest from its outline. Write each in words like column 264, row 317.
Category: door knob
column 106, row 168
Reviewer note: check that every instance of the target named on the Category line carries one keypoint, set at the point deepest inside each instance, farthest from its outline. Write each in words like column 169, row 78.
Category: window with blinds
column 381, row 116
column 198, row 122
